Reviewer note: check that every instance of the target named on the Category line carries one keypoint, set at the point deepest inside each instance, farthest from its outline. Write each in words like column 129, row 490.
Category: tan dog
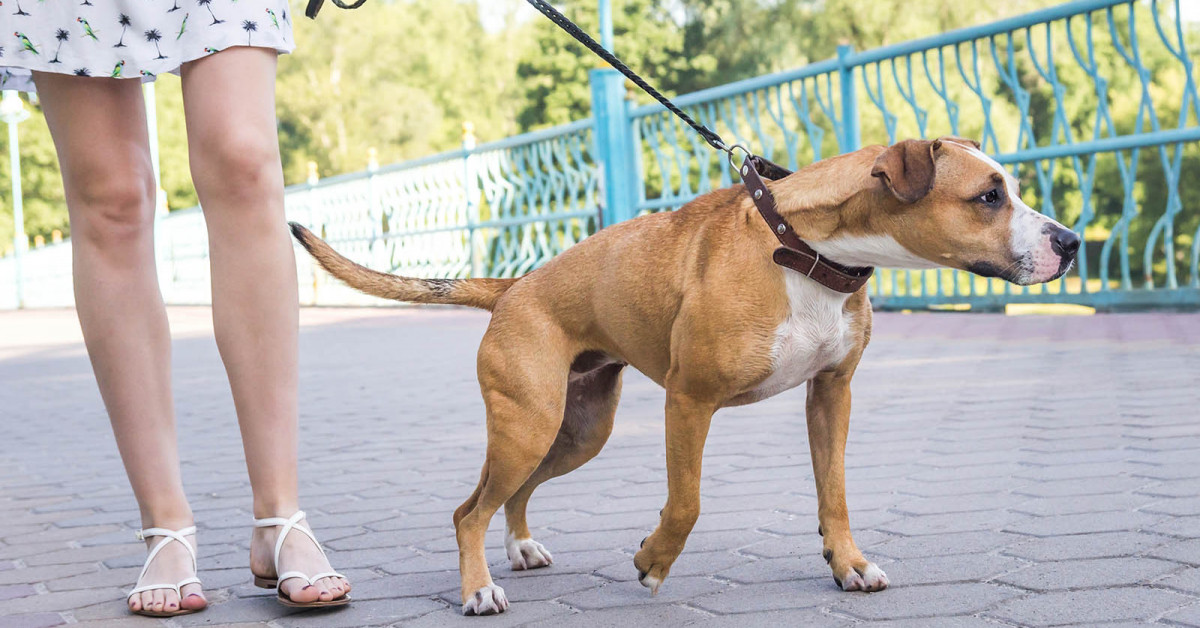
column 693, row 300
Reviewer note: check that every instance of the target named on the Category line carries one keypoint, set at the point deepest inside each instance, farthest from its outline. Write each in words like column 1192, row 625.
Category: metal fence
column 1093, row 104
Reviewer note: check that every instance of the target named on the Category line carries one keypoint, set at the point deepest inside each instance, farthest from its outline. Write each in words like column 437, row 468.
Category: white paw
column 489, row 600
column 870, row 579
column 526, row 553
column 650, row 582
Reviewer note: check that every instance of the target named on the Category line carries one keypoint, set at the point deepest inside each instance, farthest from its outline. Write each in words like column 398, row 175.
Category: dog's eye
column 991, row 198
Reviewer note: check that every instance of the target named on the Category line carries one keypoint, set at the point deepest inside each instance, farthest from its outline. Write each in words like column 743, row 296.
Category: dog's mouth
column 1017, row 272
column 1021, row 272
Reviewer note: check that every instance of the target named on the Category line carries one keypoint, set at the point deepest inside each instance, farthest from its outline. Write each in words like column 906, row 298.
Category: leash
column 314, row 6
column 794, row 254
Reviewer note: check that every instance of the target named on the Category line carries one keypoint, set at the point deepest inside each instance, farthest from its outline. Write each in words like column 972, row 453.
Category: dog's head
column 957, row 207
column 924, row 204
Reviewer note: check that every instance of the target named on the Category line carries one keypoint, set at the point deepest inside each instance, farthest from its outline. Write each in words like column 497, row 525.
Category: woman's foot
column 171, row 564
column 299, row 553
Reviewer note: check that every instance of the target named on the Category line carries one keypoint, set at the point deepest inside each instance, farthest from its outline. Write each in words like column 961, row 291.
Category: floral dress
column 130, row 38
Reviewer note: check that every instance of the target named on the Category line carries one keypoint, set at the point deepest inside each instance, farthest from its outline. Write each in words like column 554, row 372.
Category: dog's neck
column 831, row 204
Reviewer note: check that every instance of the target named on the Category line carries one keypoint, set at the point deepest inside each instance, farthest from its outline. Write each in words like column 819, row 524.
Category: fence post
column 13, row 112
column 850, row 139
column 614, row 145
column 471, row 189
column 314, row 176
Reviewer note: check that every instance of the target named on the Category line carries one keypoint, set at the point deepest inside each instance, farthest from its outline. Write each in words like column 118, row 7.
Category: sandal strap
column 177, row 588
column 169, row 536
column 289, row 525
column 310, row 579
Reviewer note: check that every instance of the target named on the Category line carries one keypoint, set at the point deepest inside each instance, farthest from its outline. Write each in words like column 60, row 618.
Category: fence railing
column 1039, row 92
column 1093, row 104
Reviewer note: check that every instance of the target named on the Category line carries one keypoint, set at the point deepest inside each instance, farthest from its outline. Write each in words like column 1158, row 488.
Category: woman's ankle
column 266, row 508
column 168, row 516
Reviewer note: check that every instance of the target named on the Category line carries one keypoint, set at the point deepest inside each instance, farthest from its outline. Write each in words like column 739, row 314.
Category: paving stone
column 1092, row 573
column 772, row 619
column 944, row 544
column 630, row 592
column 955, row 522
column 1081, row 524
column 1180, row 551
column 1189, row 616
column 1088, row 607
column 33, row 620
column 1048, row 506
column 771, row 596
column 10, row 591
column 516, row 615
column 1077, row 546
column 957, row 482
column 948, row 569
column 923, row 601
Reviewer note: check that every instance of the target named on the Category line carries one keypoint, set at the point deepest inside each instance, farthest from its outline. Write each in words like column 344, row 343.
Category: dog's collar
column 795, row 253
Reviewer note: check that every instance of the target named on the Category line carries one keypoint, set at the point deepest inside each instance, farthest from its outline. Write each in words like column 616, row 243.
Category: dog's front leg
column 828, row 423
column 687, row 428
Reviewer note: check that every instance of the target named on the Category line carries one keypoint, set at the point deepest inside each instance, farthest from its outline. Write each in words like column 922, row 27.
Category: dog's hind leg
column 524, row 389
column 587, row 422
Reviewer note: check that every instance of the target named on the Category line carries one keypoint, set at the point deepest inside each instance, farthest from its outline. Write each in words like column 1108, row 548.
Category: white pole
column 163, row 253
column 12, row 111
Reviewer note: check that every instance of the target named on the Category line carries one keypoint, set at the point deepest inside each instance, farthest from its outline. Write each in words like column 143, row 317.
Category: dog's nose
column 1065, row 242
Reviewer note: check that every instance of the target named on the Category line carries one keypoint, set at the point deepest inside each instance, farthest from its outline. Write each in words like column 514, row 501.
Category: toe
column 170, row 601
column 148, row 600
column 135, row 602
column 159, row 600
column 323, row 590
column 299, row 591
column 193, row 598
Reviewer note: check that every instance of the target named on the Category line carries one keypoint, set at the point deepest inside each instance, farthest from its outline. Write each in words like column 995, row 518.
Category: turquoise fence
column 1036, row 90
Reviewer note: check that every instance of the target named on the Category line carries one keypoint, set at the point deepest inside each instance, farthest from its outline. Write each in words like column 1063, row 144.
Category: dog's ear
column 907, row 169
column 965, row 141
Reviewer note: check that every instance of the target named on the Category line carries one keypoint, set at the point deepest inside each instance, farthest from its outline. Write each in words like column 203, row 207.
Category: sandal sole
column 341, row 601
column 165, row 614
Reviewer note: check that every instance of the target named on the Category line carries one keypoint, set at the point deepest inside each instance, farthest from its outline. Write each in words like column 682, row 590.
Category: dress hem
column 18, row 77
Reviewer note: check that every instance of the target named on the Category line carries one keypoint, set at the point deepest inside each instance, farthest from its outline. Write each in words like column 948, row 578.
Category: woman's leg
column 229, row 100
column 99, row 129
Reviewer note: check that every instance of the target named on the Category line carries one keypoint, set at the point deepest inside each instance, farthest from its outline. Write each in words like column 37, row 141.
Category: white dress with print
column 130, row 38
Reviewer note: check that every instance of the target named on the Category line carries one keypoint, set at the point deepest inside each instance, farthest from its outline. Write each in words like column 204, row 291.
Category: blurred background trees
column 401, row 76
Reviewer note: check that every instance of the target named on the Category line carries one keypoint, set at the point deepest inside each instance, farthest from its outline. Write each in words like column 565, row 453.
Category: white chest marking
column 815, row 335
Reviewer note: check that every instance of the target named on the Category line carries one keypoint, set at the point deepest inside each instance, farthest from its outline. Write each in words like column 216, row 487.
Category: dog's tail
column 480, row 293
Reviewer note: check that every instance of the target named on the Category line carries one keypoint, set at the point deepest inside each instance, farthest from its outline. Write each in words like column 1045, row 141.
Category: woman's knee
column 112, row 205
column 237, row 163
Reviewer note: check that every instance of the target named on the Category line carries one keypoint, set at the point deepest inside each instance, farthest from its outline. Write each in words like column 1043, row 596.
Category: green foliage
column 402, row 76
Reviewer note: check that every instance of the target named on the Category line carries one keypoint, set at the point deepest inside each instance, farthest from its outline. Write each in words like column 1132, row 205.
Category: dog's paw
column 527, row 554
column 650, row 582
column 870, row 579
column 489, row 600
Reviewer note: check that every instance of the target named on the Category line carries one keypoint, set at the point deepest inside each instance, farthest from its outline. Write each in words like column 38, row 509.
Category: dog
column 693, row 300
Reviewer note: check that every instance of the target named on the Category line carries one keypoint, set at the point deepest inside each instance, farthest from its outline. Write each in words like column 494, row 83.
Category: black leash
column 314, row 6
column 582, row 37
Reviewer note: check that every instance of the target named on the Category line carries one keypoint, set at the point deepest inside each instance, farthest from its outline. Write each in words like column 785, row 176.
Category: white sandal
column 169, row 536
column 290, row 524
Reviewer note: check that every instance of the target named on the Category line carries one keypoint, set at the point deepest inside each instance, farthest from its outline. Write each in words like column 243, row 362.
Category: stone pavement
column 1003, row 471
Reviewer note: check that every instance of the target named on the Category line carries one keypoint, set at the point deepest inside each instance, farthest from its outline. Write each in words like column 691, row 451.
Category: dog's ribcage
column 816, row 335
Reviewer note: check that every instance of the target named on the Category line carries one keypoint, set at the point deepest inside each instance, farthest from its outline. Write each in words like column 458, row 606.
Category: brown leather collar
column 796, row 254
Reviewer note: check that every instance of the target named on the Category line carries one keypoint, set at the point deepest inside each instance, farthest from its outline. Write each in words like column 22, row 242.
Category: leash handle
column 314, row 6
column 582, row 37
